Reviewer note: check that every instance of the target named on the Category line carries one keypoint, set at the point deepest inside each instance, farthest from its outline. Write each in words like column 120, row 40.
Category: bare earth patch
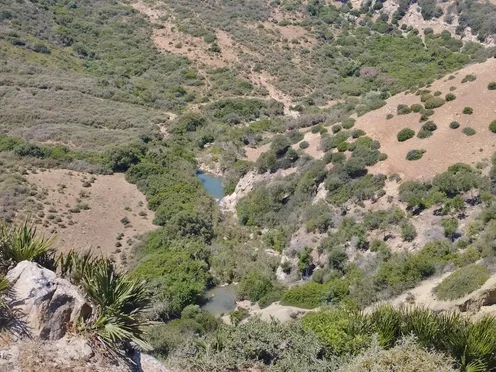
column 95, row 216
column 446, row 146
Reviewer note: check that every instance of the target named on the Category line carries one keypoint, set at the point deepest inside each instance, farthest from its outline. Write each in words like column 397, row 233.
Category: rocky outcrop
column 46, row 304
column 46, row 308
column 247, row 183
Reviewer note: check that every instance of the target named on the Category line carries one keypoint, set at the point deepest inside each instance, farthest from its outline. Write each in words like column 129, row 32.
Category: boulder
column 47, row 305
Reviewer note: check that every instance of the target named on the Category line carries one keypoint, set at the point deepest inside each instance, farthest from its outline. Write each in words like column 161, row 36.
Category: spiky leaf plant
column 120, row 301
column 24, row 243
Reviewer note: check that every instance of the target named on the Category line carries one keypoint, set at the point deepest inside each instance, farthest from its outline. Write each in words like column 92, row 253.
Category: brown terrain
column 104, row 203
column 447, row 146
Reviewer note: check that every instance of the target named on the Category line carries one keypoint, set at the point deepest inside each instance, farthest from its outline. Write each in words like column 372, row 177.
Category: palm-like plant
column 24, row 243
column 120, row 301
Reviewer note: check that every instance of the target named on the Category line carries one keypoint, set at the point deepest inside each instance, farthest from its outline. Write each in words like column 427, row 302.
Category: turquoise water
column 212, row 184
column 222, row 300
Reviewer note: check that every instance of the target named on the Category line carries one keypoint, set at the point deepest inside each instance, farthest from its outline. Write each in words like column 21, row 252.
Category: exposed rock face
column 48, row 305
column 247, row 183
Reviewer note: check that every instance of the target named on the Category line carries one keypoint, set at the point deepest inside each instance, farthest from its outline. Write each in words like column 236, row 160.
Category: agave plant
column 24, row 243
column 120, row 302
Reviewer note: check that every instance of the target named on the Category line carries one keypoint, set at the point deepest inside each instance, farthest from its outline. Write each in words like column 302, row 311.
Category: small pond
column 222, row 300
column 212, row 184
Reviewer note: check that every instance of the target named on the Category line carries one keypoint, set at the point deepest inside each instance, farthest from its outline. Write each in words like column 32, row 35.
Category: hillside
column 324, row 163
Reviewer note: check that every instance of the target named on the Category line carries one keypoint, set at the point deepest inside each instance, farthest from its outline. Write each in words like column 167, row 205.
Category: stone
column 48, row 305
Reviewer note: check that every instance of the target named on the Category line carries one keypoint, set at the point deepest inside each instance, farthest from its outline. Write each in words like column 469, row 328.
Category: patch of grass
column 462, row 282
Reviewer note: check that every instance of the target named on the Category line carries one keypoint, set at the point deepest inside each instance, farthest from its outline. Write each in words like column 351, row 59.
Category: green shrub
column 468, row 131
column 338, row 157
column 469, row 78
column 316, row 129
column 450, row 97
column 492, row 126
column 424, row 134
column 430, row 126
column 336, row 128
column 389, row 116
column 462, row 282
column 307, row 296
column 357, row 133
column 403, row 109
column 255, row 286
column 468, row 110
column 415, row 154
column 425, row 97
column 416, row 107
column 491, row 85
column 342, row 147
column 434, row 102
column 348, row 123
column 304, row 145
column 454, row 125
column 405, row 134
column 437, row 93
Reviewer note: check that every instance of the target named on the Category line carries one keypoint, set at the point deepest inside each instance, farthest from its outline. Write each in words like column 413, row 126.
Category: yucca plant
column 24, row 243
column 120, row 301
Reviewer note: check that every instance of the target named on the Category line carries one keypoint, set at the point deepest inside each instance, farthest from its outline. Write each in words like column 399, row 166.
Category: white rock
column 48, row 305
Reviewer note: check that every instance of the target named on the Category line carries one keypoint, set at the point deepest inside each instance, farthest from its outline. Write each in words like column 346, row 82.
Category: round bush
column 304, row 145
column 315, row 129
column 491, row 85
column 437, row 93
column 424, row 134
column 429, row 126
column 454, row 125
column 468, row 131
column 492, row 126
column 357, row 133
column 415, row 154
column 342, row 147
column 450, row 97
column 468, row 110
column 348, row 123
column 434, row 102
column 389, row 116
column 416, row 107
column 403, row 109
column 336, row 128
column 405, row 134
column 425, row 97
column 338, row 157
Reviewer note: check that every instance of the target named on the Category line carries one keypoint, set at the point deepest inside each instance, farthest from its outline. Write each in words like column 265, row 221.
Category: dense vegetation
column 83, row 87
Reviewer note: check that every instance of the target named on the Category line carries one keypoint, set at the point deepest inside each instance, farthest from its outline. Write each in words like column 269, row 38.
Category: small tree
column 491, row 85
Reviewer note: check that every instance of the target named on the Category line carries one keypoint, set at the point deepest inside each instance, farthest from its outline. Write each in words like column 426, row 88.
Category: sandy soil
column 447, row 146
column 313, row 149
column 109, row 199
column 252, row 154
